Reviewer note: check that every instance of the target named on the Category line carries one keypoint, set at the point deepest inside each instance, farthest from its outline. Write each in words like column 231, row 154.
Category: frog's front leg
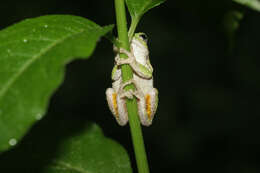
column 117, row 106
column 138, row 68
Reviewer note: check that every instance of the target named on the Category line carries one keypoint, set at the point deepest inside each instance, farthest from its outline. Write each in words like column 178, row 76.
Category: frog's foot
column 125, row 94
column 137, row 92
column 117, row 50
column 130, row 60
column 117, row 106
column 130, row 93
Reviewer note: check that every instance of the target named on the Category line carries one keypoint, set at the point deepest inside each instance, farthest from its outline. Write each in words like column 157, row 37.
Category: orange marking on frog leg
column 148, row 106
column 115, row 104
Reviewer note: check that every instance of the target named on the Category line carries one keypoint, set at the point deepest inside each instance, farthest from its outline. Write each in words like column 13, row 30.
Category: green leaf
column 90, row 151
column 33, row 54
column 253, row 4
column 66, row 145
column 137, row 8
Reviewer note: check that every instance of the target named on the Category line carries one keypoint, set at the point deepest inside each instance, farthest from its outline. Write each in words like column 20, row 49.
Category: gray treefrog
column 145, row 93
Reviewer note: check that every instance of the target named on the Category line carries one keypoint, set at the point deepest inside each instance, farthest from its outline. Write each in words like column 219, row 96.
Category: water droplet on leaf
column 38, row 116
column 12, row 142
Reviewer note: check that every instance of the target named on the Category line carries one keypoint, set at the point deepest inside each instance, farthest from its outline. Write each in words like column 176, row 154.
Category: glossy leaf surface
column 33, row 54
column 138, row 7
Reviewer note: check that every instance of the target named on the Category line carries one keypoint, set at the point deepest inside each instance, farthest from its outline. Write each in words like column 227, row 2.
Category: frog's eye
column 144, row 36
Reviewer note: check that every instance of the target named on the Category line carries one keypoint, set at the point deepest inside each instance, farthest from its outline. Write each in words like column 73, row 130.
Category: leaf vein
column 30, row 61
column 64, row 165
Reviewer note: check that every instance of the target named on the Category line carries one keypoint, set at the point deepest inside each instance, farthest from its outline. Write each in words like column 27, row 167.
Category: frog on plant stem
column 145, row 93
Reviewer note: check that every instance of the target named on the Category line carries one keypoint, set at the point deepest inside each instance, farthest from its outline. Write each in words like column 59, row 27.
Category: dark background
column 208, row 114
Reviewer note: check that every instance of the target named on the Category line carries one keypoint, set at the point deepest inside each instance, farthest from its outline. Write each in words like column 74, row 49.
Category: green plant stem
column 133, row 27
column 127, row 74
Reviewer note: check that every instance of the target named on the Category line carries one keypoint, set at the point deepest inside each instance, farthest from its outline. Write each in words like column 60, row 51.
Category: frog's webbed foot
column 130, row 93
column 130, row 60
column 126, row 94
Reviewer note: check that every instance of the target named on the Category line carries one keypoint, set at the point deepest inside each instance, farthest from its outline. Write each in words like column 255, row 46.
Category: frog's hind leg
column 147, row 106
column 117, row 106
